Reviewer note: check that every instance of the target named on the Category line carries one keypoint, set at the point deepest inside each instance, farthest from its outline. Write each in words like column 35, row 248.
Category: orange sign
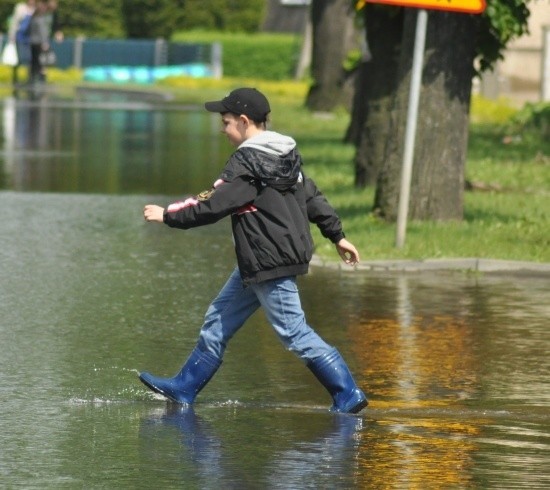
column 466, row 6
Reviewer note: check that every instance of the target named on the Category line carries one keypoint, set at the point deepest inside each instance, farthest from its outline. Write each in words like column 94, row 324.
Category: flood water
column 456, row 366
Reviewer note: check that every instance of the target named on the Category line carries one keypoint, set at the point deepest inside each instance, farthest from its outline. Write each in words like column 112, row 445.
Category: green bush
column 532, row 117
column 223, row 15
column 259, row 55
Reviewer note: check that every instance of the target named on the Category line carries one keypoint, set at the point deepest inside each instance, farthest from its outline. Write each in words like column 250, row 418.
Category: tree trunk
column 333, row 36
column 437, row 186
column 376, row 84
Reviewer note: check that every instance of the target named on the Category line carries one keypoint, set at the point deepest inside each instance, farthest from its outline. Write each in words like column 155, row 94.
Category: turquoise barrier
column 145, row 74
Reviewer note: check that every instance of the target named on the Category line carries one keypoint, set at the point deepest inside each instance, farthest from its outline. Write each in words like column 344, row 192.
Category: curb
column 430, row 265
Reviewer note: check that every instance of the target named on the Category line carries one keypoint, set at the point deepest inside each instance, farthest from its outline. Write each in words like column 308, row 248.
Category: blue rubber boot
column 333, row 373
column 184, row 386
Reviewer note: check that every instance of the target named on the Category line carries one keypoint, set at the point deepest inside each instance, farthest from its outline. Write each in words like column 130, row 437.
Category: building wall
column 521, row 70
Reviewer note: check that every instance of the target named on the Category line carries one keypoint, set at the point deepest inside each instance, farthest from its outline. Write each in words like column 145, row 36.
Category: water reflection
column 298, row 449
column 413, row 452
column 412, row 354
column 84, row 146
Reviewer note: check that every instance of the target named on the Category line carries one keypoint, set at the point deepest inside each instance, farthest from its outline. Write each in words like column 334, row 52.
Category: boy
column 271, row 203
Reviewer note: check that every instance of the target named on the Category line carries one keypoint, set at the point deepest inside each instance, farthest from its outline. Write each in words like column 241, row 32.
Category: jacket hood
column 271, row 142
column 273, row 159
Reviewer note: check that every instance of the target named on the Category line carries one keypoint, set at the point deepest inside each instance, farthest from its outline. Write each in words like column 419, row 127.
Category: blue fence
column 141, row 60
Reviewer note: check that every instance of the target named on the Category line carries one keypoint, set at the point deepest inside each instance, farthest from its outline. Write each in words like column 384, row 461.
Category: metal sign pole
column 545, row 87
column 410, row 132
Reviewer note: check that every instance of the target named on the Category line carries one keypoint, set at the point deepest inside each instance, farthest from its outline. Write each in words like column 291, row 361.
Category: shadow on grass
column 496, row 143
column 473, row 216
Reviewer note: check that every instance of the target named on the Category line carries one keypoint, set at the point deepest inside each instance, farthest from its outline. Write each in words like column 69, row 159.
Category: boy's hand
column 348, row 252
column 152, row 212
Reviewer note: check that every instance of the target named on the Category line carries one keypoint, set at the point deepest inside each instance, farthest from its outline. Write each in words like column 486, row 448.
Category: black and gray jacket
column 271, row 203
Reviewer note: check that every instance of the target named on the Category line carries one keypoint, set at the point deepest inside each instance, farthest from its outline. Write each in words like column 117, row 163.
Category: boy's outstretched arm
column 152, row 212
column 348, row 252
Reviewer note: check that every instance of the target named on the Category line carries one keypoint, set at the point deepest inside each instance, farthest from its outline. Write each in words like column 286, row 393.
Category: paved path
column 466, row 264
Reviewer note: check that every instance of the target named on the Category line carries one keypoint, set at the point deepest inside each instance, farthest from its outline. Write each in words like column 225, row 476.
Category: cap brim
column 215, row 106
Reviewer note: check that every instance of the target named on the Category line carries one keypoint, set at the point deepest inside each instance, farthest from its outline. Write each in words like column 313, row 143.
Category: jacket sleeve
column 210, row 206
column 320, row 212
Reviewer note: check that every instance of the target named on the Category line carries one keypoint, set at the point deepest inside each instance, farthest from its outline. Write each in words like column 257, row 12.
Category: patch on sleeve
column 205, row 195
column 176, row 206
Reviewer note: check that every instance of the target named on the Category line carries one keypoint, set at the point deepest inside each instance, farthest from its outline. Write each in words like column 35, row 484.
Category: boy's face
column 234, row 127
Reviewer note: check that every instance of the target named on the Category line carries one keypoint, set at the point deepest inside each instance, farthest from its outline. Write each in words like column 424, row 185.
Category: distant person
column 55, row 33
column 54, row 24
column 39, row 36
column 271, row 203
column 19, row 33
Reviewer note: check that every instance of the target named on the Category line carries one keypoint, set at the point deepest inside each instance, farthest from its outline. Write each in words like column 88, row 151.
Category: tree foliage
column 150, row 18
column 502, row 21
column 224, row 15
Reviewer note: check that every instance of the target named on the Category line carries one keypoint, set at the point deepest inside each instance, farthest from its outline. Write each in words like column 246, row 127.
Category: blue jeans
column 281, row 302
